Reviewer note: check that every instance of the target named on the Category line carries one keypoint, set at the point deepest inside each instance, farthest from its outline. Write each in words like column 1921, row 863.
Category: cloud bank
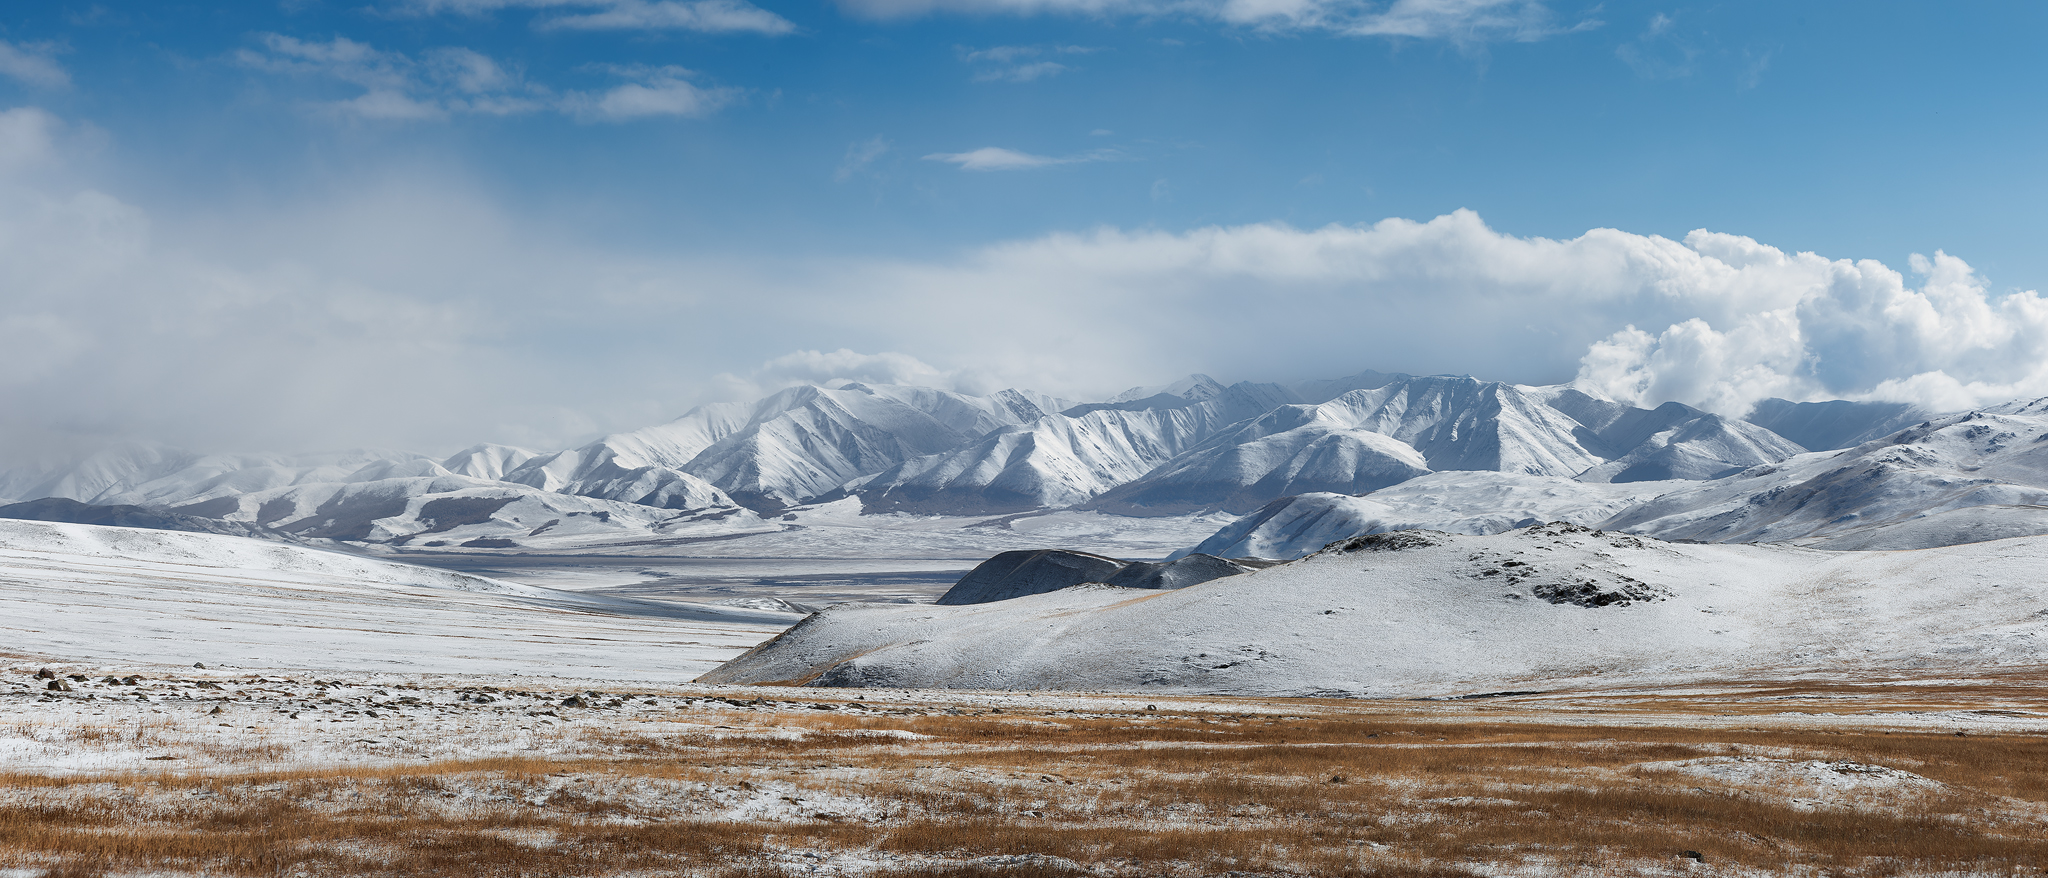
column 453, row 81
column 1463, row 22
column 408, row 311
column 704, row 16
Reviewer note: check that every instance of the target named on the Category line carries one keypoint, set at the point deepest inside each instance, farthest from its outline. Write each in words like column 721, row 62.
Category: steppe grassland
column 1751, row 779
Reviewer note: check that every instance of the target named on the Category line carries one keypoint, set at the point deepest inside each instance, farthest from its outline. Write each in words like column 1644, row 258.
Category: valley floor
column 176, row 771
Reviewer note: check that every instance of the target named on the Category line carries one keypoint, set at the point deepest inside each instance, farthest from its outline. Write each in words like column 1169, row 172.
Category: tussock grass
column 1332, row 788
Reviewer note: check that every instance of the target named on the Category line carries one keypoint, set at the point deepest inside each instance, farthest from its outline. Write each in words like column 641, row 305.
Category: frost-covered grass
column 296, row 777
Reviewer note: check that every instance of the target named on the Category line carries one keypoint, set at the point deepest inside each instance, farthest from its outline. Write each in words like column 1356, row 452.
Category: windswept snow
column 117, row 594
column 1426, row 614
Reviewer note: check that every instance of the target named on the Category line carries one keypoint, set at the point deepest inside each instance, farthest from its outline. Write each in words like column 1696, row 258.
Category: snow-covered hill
column 86, row 592
column 1462, row 503
column 1878, row 494
column 1418, row 614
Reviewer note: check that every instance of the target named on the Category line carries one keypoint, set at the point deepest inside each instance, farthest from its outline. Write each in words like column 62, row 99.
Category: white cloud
column 1714, row 320
column 454, row 81
column 996, row 158
column 33, row 63
column 1019, row 63
column 706, row 16
column 835, row 369
column 1458, row 21
column 404, row 310
column 659, row 92
column 28, row 137
column 709, row 16
column 859, row 155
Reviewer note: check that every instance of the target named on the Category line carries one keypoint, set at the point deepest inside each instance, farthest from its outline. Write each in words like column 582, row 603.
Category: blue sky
column 622, row 207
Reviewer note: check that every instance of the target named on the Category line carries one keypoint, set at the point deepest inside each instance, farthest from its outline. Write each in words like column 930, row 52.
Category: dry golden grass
column 1567, row 787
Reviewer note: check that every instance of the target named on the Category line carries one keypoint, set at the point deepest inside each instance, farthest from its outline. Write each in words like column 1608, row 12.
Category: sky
column 425, row 224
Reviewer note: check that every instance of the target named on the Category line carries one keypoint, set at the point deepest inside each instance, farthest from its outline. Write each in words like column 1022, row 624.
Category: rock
column 574, row 701
column 199, row 665
column 46, row 674
column 58, row 686
column 1020, row 573
column 1694, row 856
column 216, row 709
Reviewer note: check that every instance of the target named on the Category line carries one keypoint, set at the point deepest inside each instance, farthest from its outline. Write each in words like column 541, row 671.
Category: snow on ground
column 822, row 555
column 1452, row 502
column 117, row 594
column 1428, row 614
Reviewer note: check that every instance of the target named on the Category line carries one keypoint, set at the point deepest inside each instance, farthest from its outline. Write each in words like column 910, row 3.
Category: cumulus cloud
column 452, row 81
column 1715, row 320
column 33, row 63
column 1462, row 22
column 407, row 311
column 705, row 16
column 996, row 158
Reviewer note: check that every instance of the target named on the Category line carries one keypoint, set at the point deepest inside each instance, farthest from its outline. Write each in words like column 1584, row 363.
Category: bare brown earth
column 280, row 775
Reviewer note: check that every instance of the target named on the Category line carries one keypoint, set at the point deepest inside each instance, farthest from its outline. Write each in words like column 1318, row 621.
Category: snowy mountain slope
column 1826, row 426
column 1053, row 462
column 422, row 503
column 103, row 471
column 1065, row 458
column 1423, row 614
column 1233, row 403
column 645, row 463
column 1979, row 459
column 62, row 510
column 486, row 461
column 1290, row 450
column 1462, row 503
column 794, row 445
column 117, row 594
column 1672, row 441
column 141, row 474
column 805, row 442
column 1360, row 441
column 1192, row 389
column 1468, row 424
column 1324, row 390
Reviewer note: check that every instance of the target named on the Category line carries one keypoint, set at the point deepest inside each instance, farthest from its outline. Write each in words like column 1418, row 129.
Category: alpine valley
column 919, row 533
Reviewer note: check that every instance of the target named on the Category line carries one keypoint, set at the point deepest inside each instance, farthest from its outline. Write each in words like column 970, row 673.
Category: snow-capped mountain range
column 1446, row 452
